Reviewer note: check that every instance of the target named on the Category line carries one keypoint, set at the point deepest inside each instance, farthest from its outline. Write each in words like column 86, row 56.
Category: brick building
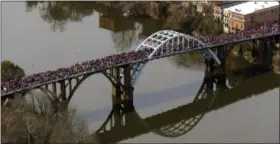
column 249, row 15
column 217, row 6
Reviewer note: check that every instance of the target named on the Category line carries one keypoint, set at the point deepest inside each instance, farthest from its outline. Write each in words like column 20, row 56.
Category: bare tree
column 21, row 122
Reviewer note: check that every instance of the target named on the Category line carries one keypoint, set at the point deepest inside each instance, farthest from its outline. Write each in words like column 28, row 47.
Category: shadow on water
column 213, row 95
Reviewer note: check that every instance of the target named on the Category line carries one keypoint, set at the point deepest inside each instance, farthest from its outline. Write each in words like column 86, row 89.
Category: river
column 37, row 41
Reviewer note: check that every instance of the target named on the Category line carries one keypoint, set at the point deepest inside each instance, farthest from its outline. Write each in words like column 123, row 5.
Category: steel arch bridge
column 159, row 43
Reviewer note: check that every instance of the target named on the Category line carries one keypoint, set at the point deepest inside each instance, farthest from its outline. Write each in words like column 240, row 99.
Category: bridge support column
column 221, row 53
column 63, row 103
column 277, row 38
column 209, row 76
column 267, row 51
column 116, row 88
column 267, row 44
column 70, row 85
column 256, row 42
column 128, row 89
column 220, row 73
column 256, row 47
column 210, row 65
column 116, row 96
column 55, row 102
column 54, row 88
column 221, row 81
column 122, row 95
column 62, row 90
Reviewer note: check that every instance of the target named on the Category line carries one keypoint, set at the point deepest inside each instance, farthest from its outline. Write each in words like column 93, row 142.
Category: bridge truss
column 160, row 40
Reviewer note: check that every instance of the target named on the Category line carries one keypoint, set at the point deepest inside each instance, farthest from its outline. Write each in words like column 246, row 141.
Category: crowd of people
column 268, row 29
column 21, row 83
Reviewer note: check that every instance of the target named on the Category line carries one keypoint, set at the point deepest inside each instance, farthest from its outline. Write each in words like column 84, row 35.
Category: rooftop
column 250, row 7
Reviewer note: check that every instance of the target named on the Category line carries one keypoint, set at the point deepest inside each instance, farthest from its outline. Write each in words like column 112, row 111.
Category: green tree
column 10, row 70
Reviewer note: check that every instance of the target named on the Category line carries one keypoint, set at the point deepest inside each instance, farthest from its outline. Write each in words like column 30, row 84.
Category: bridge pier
column 210, row 65
column 256, row 43
column 59, row 100
column 220, row 70
column 215, row 75
column 119, row 118
column 220, row 74
column 54, row 88
column 122, row 98
column 122, row 93
column 128, row 89
column 62, row 90
column 116, row 88
column 221, row 53
column 70, row 84
column 116, row 96
column 277, row 38
column 262, row 50
column 63, row 94
column 265, row 52
column 209, row 75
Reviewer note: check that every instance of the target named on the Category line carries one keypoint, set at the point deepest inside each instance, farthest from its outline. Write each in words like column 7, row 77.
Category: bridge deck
column 136, row 61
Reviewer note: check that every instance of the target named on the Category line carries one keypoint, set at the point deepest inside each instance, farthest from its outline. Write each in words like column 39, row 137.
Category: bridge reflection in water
column 124, row 122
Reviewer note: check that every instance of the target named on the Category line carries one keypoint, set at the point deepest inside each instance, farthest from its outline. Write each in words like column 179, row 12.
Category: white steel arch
column 164, row 38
